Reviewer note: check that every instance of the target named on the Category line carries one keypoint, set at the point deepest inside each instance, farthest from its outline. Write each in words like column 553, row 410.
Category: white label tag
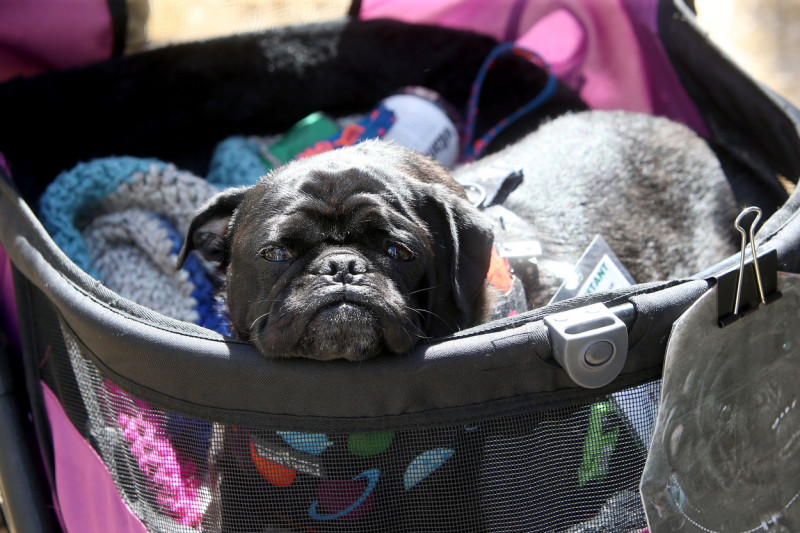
column 606, row 276
column 597, row 270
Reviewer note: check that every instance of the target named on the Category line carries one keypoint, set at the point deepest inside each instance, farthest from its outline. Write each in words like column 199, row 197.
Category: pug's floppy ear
column 464, row 241
column 208, row 230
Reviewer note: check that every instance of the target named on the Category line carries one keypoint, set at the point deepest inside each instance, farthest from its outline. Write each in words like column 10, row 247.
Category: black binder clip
column 742, row 290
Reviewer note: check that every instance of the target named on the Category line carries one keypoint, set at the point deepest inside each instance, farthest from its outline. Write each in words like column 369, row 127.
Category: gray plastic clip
column 590, row 343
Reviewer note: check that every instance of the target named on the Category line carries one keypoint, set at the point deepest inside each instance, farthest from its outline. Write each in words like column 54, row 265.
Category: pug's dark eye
column 275, row 253
column 398, row 252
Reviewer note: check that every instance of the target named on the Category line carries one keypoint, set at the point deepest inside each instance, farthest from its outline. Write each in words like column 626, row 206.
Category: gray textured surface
column 725, row 455
column 651, row 187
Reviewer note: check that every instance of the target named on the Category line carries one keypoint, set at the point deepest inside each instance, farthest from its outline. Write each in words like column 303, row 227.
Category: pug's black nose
column 342, row 268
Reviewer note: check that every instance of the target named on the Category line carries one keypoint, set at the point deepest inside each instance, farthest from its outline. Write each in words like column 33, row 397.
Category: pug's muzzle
column 342, row 306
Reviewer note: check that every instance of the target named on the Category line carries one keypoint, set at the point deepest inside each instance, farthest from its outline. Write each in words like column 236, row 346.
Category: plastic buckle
column 590, row 343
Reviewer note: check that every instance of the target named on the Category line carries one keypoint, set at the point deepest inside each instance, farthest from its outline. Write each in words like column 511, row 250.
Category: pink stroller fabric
column 8, row 306
column 53, row 34
column 89, row 501
column 36, row 37
column 9, row 321
column 607, row 49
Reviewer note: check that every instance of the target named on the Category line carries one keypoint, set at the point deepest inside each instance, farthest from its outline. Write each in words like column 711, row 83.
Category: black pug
column 348, row 254
column 651, row 187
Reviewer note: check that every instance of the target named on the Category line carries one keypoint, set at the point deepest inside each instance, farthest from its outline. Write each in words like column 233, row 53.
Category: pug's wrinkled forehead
column 341, row 200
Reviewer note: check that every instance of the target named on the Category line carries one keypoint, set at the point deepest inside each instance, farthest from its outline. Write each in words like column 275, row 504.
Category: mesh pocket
column 573, row 468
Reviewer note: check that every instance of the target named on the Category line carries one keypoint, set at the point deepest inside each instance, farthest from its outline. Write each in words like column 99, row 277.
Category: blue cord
column 474, row 148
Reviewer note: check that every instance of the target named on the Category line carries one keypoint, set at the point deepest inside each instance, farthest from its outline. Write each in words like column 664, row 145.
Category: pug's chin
column 342, row 331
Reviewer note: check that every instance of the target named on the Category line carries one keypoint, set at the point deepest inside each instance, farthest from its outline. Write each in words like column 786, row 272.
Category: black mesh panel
column 573, row 468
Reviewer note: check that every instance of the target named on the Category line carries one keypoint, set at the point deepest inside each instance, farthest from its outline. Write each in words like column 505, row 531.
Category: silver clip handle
column 738, row 225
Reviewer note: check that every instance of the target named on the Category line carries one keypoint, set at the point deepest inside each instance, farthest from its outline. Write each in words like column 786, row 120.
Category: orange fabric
column 499, row 273
column 276, row 474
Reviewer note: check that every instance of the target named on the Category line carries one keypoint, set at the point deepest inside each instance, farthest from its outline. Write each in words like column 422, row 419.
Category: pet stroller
column 111, row 409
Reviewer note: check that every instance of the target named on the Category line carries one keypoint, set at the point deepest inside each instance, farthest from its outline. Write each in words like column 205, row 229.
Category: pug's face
column 347, row 254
